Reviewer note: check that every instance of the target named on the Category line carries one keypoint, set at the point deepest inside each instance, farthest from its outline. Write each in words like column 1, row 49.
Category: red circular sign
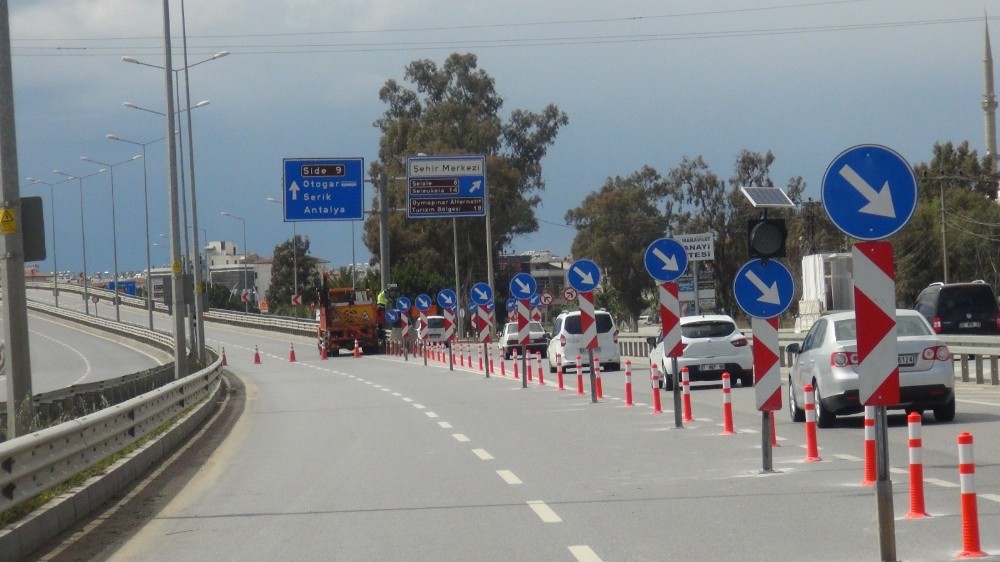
column 569, row 293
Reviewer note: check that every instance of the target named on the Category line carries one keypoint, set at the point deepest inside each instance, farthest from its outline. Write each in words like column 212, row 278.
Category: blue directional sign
column 324, row 189
column 403, row 304
column 391, row 316
column 522, row 286
column 423, row 302
column 511, row 304
column 535, row 301
column 481, row 293
column 583, row 275
column 446, row 186
column 447, row 298
column 763, row 290
column 665, row 259
column 869, row 192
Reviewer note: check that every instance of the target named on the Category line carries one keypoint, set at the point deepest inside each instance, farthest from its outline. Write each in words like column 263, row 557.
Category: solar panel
column 767, row 196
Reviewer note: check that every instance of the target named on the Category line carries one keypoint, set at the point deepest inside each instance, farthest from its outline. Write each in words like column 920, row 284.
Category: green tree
column 290, row 264
column 455, row 109
column 614, row 227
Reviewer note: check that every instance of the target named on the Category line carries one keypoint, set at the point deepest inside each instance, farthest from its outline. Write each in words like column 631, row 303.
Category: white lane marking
column 386, row 390
column 994, row 404
column 396, row 394
column 369, row 382
column 445, row 425
column 377, row 385
column 482, row 454
column 430, row 414
column 991, row 497
column 419, row 406
column 407, row 400
column 509, row 477
column 460, row 437
column 942, row 483
column 849, row 458
column 895, row 470
column 583, row 553
column 544, row 512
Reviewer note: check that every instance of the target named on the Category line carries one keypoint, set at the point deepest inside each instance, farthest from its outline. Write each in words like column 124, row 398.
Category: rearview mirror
column 651, row 340
column 793, row 348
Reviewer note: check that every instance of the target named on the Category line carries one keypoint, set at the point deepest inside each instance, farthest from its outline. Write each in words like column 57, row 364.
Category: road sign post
column 665, row 260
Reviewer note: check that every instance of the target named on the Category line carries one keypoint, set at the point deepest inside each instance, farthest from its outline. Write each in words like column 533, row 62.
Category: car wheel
column 506, row 354
column 945, row 412
column 612, row 367
column 824, row 417
column 747, row 379
column 797, row 414
column 668, row 380
column 552, row 368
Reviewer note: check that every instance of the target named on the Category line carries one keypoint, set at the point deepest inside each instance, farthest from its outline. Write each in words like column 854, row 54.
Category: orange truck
column 347, row 317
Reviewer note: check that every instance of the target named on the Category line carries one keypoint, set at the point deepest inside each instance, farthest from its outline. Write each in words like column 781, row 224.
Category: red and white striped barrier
column 503, row 365
column 970, row 509
column 559, row 370
column 538, row 363
column 490, row 353
column 516, row 374
column 527, row 366
column 468, row 355
column 686, row 394
column 727, row 406
column 654, row 381
column 869, row 478
column 916, row 446
column 628, row 383
column 596, row 368
column 812, row 450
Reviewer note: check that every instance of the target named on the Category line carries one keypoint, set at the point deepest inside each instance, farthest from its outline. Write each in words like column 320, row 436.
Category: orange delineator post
column 727, row 406
column 812, row 450
column 870, row 476
column 628, row 384
column 538, row 362
column 655, row 383
column 256, row 356
column 596, row 367
column 686, row 394
column 224, row 361
column 916, row 445
column 579, row 377
column 514, row 355
column 559, row 370
column 970, row 508
column 291, row 353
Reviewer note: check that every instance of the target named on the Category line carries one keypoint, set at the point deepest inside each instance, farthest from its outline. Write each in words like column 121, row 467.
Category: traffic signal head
column 766, row 238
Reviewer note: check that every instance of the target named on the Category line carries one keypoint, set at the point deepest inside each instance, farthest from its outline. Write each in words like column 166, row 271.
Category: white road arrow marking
column 294, row 188
column 585, row 276
column 879, row 202
column 768, row 295
column 669, row 263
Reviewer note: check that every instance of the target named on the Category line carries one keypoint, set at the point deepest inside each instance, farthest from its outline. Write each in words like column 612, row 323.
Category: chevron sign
column 449, row 323
column 670, row 322
column 483, row 323
column 766, row 368
column 875, row 313
column 588, row 326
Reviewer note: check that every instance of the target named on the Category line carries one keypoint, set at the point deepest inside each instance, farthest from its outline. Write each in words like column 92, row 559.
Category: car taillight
column 843, row 358
column 936, row 324
column 937, row 353
column 998, row 322
column 741, row 342
column 615, row 337
column 562, row 340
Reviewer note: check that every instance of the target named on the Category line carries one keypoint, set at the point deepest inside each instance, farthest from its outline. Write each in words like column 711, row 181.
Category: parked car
column 435, row 330
column 960, row 308
column 509, row 339
column 567, row 341
column 827, row 359
column 713, row 345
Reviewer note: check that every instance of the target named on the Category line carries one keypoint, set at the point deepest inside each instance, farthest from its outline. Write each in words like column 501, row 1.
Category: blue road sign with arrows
column 665, row 259
column 391, row 316
column 511, row 304
column 522, row 286
column 324, row 189
column 423, row 302
column 584, row 276
column 763, row 290
column 403, row 304
column 447, row 298
column 869, row 192
column 481, row 293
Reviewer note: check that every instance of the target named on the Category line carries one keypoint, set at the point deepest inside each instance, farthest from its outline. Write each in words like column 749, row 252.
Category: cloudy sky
column 643, row 83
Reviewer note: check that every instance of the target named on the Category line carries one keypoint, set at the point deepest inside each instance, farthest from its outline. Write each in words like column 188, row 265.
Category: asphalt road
column 380, row 459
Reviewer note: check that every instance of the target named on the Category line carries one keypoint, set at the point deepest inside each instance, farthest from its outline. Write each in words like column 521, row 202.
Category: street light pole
column 295, row 253
column 52, row 212
column 246, row 286
column 83, row 235
column 114, row 226
column 145, row 198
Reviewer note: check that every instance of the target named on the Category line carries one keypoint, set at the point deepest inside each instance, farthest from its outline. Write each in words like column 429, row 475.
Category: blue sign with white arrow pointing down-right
column 763, row 290
column 665, row 259
column 584, row 275
column 869, row 192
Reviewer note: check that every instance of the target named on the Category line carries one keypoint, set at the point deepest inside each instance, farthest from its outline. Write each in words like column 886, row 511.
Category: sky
column 643, row 83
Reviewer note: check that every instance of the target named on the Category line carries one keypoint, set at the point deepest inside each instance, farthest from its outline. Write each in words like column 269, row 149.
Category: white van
column 435, row 329
column 567, row 340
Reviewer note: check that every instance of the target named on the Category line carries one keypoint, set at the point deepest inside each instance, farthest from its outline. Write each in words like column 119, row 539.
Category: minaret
column 990, row 108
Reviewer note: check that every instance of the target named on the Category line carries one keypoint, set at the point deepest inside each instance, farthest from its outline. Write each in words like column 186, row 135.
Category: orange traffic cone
column 256, row 356
column 357, row 349
column 224, row 362
column 322, row 350
column 291, row 353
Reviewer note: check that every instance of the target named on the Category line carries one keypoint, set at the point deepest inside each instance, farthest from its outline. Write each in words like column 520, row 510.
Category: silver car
column 827, row 359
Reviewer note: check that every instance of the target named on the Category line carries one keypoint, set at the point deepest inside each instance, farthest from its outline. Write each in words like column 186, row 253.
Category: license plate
column 969, row 324
column 583, row 350
column 715, row 367
column 907, row 359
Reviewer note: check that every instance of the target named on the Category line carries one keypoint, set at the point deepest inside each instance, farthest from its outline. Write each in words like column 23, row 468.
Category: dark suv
column 960, row 308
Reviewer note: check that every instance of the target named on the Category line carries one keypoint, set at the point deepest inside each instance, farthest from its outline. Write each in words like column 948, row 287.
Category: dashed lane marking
column 445, row 425
column 544, row 512
column 482, row 454
column 460, row 437
column 430, row 414
column 583, row 553
column 509, row 477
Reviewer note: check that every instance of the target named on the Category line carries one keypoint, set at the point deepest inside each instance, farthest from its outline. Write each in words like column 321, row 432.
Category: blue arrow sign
column 511, row 304
column 403, row 304
column 665, row 259
column 481, row 293
column 583, row 275
column 869, row 192
column 447, row 298
column 522, row 286
column 324, row 189
column 391, row 316
column 535, row 301
column 763, row 290
column 423, row 303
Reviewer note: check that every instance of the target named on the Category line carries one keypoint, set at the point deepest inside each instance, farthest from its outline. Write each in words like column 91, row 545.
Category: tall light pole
column 114, row 225
column 83, row 234
column 295, row 253
column 246, row 286
column 145, row 199
column 52, row 212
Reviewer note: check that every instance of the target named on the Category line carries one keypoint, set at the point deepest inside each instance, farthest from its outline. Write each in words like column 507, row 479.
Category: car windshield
column 708, row 329
column 905, row 326
column 535, row 327
column 435, row 322
column 572, row 324
column 967, row 297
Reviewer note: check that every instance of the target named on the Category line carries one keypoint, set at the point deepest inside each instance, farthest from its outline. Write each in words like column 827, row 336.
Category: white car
column 567, row 341
column 713, row 345
column 435, row 329
column 509, row 340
